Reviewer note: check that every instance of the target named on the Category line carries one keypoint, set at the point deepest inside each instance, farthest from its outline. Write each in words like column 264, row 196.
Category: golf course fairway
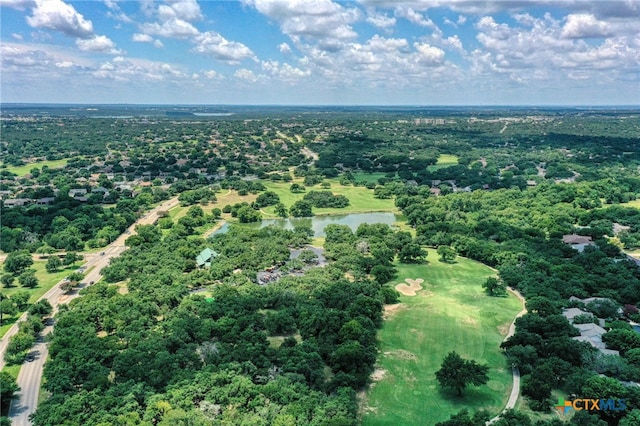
column 449, row 312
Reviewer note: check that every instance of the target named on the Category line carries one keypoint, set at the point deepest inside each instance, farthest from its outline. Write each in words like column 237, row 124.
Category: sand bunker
column 378, row 374
column 411, row 288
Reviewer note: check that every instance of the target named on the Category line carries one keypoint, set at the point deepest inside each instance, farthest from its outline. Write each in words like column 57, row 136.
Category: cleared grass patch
column 368, row 177
column 361, row 200
column 449, row 313
column 444, row 160
column 23, row 170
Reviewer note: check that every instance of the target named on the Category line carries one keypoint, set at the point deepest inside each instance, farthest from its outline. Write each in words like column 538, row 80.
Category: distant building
column 17, row 202
column 592, row 334
column 77, row 192
column 577, row 242
column 571, row 313
column 45, row 201
column 203, row 260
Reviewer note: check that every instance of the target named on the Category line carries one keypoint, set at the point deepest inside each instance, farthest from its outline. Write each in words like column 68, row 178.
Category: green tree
column 447, row 254
column 457, row 373
column 8, row 390
column 17, row 262
column 7, row 308
column 41, row 308
column 281, row 210
column 7, row 280
column 53, row 264
column 494, row 287
column 296, row 187
column 412, row 253
column 21, row 298
column 301, row 208
column 71, row 257
column 28, row 279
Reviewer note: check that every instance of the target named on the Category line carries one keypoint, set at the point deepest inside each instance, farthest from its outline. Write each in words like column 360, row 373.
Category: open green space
column 444, row 160
column 23, row 170
column 450, row 313
column 633, row 203
column 361, row 200
column 46, row 282
column 368, row 177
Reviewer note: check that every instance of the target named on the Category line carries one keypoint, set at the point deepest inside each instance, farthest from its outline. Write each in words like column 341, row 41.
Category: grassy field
column 633, row 203
column 444, row 160
column 46, row 281
column 23, row 170
column 361, row 199
column 451, row 312
column 368, row 177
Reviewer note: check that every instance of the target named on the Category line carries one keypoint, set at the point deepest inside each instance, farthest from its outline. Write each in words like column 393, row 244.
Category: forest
column 162, row 341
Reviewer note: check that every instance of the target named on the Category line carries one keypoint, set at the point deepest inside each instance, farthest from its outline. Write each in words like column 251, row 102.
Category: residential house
column 592, row 334
column 577, row 242
column 77, row 192
column 16, row 202
column 203, row 260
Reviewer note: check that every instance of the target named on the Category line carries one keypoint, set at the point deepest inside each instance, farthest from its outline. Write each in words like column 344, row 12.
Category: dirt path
column 515, row 388
column 308, row 153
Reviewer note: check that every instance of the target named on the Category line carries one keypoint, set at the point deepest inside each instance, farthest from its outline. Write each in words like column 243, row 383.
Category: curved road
column 515, row 388
column 30, row 376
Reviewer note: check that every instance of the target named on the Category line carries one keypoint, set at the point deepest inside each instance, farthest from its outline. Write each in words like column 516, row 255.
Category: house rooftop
column 205, row 257
column 576, row 239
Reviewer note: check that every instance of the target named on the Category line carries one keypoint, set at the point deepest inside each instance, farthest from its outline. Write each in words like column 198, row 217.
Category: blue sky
column 318, row 52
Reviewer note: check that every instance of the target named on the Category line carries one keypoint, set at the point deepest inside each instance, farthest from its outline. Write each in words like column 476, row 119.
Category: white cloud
column 584, row 26
column 65, row 64
column 173, row 28
column 17, row 36
column 211, row 74
column 323, row 22
column 429, row 54
column 545, row 48
column 97, row 44
column 213, row 44
column 415, row 17
column 158, row 44
column 284, row 72
column 115, row 12
column 380, row 20
column 188, row 10
column 284, row 48
column 245, row 75
column 16, row 57
column 142, row 38
column 59, row 16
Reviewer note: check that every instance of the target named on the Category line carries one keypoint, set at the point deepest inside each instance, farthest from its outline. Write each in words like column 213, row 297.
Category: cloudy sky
column 314, row 52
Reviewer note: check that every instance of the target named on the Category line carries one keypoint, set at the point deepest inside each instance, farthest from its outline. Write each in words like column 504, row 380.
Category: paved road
column 515, row 388
column 30, row 376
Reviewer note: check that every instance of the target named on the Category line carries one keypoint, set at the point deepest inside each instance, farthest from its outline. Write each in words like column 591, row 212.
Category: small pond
column 317, row 223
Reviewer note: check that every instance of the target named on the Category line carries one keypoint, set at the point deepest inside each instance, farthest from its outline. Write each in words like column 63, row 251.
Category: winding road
column 30, row 376
column 515, row 388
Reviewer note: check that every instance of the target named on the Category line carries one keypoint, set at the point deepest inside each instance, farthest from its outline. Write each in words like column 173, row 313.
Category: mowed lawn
column 23, row 170
column 444, row 160
column 450, row 313
column 361, row 199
